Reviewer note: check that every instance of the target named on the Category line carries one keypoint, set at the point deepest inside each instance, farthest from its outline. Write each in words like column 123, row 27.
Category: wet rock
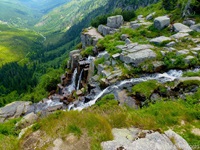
column 14, row 110
column 161, row 22
column 179, row 27
column 196, row 27
column 79, row 93
column 115, row 21
column 75, row 56
column 160, row 40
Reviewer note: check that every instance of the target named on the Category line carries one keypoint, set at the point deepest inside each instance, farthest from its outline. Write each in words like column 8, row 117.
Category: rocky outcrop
column 161, row 22
column 135, row 54
column 105, row 30
column 14, row 110
column 74, row 57
column 115, row 21
column 90, row 37
column 136, row 139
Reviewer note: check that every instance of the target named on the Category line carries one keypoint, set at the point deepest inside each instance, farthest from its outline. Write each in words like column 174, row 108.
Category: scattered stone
column 196, row 49
column 182, row 52
column 100, row 68
column 105, row 30
column 196, row 27
column 189, row 22
column 150, row 16
column 135, row 25
column 179, row 27
column 171, row 44
column 179, row 35
column 161, row 22
column 160, row 40
column 14, row 110
column 188, row 59
column 124, row 37
column 116, row 56
column 128, row 41
column 115, row 21
column 158, row 66
column 79, row 93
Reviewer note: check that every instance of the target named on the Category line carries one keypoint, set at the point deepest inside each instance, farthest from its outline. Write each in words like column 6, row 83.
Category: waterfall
column 72, row 86
column 165, row 77
column 79, row 80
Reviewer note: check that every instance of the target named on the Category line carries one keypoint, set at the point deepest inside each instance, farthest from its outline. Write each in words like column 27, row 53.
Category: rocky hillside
column 129, row 85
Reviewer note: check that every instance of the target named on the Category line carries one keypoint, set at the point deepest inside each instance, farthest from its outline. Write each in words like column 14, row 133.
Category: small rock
column 189, row 22
column 179, row 35
column 182, row 52
column 171, row 44
column 188, row 59
column 150, row 16
column 161, row 22
column 124, row 37
column 196, row 27
column 179, row 27
column 79, row 93
column 128, row 41
column 160, row 40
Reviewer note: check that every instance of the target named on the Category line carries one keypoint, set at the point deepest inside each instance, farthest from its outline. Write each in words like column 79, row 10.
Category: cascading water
column 72, row 86
column 169, row 76
column 79, row 80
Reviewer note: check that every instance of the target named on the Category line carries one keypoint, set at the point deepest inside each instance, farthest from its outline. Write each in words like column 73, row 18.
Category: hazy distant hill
column 25, row 13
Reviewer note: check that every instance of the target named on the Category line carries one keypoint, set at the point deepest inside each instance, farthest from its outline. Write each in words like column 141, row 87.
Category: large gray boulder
column 196, row 27
column 161, row 22
column 136, row 139
column 115, row 21
column 14, row 110
column 105, row 30
column 135, row 58
column 179, row 27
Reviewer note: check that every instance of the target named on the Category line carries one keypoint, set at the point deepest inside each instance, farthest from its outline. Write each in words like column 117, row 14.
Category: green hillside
column 17, row 45
column 66, row 15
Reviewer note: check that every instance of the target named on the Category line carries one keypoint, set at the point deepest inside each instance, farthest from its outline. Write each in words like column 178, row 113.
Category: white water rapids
column 164, row 77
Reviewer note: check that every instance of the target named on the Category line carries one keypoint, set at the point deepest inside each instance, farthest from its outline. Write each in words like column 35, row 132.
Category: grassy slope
column 16, row 44
column 66, row 15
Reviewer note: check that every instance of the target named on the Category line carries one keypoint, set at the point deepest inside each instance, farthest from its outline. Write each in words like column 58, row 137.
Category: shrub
column 87, row 52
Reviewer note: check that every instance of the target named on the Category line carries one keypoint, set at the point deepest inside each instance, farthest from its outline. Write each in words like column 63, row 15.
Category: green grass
column 87, row 52
column 145, row 88
column 16, row 45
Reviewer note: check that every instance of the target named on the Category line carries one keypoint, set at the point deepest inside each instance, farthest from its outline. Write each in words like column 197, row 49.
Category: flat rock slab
column 179, row 35
column 138, row 57
column 160, row 40
column 14, row 110
column 179, row 27
column 130, row 139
